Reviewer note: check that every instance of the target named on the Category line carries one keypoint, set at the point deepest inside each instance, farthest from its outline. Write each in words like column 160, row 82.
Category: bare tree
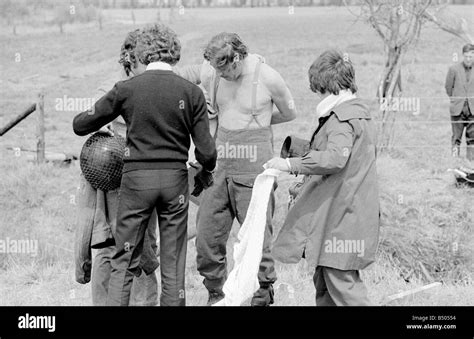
column 63, row 15
column 399, row 24
column 100, row 14
column 13, row 12
column 172, row 15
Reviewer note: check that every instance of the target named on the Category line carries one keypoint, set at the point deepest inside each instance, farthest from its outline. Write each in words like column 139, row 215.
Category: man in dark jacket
column 97, row 215
column 161, row 111
column 460, row 89
column 334, row 223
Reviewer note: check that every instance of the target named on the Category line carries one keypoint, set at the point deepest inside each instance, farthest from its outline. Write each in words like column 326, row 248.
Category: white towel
column 242, row 281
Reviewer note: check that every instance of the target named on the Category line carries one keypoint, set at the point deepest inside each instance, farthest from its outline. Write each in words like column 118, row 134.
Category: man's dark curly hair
column 223, row 47
column 127, row 52
column 158, row 43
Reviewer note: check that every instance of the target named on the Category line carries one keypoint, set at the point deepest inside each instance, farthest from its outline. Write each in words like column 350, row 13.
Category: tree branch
column 460, row 31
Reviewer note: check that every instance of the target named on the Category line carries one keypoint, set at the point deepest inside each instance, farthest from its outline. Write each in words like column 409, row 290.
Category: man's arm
column 205, row 150
column 191, row 73
column 331, row 160
column 105, row 110
column 200, row 75
column 281, row 96
column 449, row 84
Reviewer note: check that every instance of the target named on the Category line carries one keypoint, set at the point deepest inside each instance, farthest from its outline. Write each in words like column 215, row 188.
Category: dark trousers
column 141, row 191
column 339, row 288
column 227, row 199
column 464, row 121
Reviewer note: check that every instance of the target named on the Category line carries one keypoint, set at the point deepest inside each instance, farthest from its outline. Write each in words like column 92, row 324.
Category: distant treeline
column 18, row 12
column 203, row 3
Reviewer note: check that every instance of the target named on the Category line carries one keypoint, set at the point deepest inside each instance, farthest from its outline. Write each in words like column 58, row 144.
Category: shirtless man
column 243, row 90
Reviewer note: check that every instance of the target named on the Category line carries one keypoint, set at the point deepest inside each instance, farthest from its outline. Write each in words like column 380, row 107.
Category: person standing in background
column 459, row 86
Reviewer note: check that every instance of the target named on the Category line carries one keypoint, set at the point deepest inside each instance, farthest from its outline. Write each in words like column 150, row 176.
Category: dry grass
column 423, row 214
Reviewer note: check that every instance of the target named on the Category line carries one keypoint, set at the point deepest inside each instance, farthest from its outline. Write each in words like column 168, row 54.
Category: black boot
column 263, row 297
column 215, row 296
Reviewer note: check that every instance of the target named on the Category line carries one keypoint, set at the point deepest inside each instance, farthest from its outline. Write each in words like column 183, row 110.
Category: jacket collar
column 158, row 65
column 466, row 67
column 352, row 109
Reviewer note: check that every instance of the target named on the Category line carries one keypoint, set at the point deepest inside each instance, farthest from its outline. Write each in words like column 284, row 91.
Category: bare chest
column 238, row 100
column 238, row 94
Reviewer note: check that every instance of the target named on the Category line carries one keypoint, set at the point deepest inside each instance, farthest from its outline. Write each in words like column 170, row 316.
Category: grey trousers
column 339, row 288
column 229, row 198
column 144, row 290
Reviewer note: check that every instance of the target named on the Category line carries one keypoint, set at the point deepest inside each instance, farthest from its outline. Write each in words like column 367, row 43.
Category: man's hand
column 202, row 180
column 278, row 163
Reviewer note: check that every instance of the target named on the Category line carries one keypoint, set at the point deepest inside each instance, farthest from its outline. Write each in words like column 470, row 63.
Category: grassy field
column 427, row 223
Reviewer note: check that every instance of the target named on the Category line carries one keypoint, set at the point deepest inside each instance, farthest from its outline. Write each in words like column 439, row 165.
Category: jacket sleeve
column 205, row 150
column 105, row 110
column 191, row 73
column 449, row 84
column 334, row 158
column 86, row 206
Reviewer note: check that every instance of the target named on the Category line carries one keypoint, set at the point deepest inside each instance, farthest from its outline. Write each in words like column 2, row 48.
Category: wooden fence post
column 40, row 146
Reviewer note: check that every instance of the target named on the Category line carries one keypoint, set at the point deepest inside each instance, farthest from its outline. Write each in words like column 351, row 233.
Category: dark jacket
column 96, row 218
column 161, row 111
column 458, row 88
column 339, row 202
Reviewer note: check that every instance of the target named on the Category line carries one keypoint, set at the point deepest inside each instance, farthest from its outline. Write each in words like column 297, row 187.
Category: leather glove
column 202, row 180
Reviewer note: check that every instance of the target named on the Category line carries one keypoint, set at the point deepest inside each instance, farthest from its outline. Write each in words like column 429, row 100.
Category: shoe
column 214, row 297
column 263, row 297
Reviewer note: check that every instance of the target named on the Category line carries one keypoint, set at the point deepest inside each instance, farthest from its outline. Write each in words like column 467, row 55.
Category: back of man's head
column 158, row 43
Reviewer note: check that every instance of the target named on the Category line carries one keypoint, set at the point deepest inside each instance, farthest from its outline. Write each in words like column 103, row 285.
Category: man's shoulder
column 208, row 73
column 173, row 80
column 270, row 77
column 147, row 76
column 455, row 67
column 183, row 81
column 108, row 84
column 122, row 84
column 352, row 109
column 267, row 72
column 187, row 85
